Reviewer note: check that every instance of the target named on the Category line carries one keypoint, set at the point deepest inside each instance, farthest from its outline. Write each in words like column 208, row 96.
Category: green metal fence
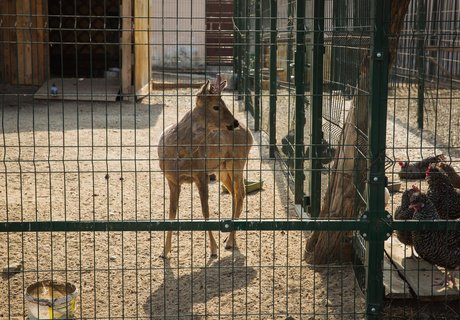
column 83, row 199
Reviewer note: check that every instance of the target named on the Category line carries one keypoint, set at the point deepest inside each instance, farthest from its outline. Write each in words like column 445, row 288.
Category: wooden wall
column 22, row 42
column 143, row 11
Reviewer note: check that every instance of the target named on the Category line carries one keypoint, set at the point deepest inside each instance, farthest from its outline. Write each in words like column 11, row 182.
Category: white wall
column 178, row 38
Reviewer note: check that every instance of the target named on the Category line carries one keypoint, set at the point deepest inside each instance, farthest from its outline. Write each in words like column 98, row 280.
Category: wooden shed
column 82, row 39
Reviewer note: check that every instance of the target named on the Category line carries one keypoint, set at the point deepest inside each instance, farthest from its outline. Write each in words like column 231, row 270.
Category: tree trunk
column 341, row 201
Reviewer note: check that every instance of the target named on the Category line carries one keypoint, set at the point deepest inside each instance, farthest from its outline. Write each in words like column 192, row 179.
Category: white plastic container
column 112, row 73
column 51, row 300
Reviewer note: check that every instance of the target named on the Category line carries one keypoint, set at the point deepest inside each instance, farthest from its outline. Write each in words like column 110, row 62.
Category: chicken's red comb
column 415, row 188
column 427, row 172
column 401, row 163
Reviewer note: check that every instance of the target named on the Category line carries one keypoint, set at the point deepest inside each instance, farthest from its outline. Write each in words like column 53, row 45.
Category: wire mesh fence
column 227, row 159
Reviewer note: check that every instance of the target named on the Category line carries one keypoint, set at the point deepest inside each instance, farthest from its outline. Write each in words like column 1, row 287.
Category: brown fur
column 207, row 139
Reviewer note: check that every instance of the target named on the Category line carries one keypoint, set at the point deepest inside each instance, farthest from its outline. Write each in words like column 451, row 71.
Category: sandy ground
column 441, row 132
column 98, row 161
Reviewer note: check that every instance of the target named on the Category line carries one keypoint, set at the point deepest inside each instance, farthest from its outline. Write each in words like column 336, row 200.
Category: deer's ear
column 222, row 86
column 204, row 88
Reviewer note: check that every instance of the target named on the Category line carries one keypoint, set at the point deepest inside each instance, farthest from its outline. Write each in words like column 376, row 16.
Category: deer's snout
column 234, row 125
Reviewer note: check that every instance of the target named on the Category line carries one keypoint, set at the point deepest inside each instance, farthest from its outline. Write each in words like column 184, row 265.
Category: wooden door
column 22, row 42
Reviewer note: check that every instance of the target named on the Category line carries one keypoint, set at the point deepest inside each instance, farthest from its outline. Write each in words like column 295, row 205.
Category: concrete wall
column 178, row 38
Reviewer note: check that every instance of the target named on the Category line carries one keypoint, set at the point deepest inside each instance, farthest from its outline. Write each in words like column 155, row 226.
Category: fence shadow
column 177, row 295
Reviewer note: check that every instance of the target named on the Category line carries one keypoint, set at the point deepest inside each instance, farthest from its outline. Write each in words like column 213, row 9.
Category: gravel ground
column 98, row 161
column 441, row 133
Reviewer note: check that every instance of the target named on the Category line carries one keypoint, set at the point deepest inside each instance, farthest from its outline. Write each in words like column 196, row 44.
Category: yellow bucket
column 51, row 300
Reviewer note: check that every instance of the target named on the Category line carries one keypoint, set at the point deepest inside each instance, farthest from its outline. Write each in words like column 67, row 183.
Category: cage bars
column 376, row 225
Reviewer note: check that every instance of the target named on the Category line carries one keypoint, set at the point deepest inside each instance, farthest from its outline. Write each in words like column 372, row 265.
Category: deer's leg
column 234, row 183
column 174, row 192
column 238, row 195
column 202, row 185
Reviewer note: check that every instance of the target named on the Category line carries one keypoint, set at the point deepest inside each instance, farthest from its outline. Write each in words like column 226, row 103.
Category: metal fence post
column 237, row 48
column 257, row 57
column 376, row 162
column 299, row 103
column 246, row 80
column 339, row 77
column 235, row 42
column 290, row 29
column 421, row 23
column 273, row 77
column 316, row 111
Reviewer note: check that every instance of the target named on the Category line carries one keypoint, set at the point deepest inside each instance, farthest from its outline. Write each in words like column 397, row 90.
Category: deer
column 207, row 139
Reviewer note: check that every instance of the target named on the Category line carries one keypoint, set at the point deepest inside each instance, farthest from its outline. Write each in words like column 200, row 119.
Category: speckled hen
column 454, row 177
column 416, row 170
column 437, row 247
column 403, row 212
column 442, row 193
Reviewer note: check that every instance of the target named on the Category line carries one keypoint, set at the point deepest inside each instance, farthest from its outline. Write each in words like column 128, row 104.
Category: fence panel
column 130, row 187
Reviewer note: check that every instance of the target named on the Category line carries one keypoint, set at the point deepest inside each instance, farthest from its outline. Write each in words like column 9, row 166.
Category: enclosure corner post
column 377, row 233
column 273, row 77
column 257, row 38
column 316, row 113
column 299, row 103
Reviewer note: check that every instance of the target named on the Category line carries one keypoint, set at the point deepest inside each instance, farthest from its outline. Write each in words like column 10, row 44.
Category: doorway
column 84, row 37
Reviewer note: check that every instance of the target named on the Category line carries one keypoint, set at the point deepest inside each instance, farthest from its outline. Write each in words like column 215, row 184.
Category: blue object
column 53, row 90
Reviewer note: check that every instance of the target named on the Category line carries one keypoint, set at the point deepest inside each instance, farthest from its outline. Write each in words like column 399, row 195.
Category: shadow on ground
column 177, row 295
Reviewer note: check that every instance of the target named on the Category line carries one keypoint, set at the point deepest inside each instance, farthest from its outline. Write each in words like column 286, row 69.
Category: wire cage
column 229, row 159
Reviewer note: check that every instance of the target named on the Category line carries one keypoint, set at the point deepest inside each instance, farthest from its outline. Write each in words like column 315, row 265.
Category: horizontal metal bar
column 195, row 225
column 220, row 225
column 432, row 225
column 301, row 225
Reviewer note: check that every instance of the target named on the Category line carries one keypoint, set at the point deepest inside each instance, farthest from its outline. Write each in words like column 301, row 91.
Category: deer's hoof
column 164, row 256
column 229, row 242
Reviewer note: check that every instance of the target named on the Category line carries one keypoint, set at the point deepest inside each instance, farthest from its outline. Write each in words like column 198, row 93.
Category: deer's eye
column 216, row 108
